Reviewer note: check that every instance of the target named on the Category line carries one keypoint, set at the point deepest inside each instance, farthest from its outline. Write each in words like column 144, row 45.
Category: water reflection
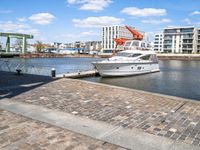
column 177, row 78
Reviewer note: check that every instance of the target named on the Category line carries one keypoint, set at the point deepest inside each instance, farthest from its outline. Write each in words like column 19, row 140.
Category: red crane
column 135, row 33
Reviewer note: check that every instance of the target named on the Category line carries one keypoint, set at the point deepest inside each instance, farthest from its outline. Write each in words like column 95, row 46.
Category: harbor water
column 176, row 77
column 43, row 66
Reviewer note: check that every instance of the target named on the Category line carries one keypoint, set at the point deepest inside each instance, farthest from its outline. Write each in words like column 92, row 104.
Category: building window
column 187, row 30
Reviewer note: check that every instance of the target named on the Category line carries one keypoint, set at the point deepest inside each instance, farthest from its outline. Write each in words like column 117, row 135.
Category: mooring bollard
column 18, row 72
column 53, row 72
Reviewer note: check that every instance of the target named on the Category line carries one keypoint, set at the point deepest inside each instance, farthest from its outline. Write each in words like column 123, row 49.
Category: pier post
column 24, row 48
column 8, row 44
column 53, row 73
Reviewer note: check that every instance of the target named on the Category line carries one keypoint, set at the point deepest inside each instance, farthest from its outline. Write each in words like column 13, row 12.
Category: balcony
column 185, row 43
column 187, row 37
column 168, row 38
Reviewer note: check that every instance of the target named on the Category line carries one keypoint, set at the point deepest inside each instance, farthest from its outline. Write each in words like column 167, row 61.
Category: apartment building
column 109, row 33
column 180, row 40
column 158, row 42
column 198, row 41
column 93, row 45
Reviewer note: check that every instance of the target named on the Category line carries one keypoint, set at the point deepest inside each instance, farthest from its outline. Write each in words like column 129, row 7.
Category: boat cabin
column 139, row 55
column 136, row 45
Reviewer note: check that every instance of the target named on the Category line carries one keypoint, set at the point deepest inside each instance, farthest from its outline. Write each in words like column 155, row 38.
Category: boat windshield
column 128, row 54
column 135, row 43
column 127, row 44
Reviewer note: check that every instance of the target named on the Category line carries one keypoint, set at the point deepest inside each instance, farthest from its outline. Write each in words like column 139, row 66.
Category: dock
column 9, row 55
column 79, row 74
column 70, row 113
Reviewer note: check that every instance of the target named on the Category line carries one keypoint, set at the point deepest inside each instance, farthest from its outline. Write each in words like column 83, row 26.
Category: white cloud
column 97, row 21
column 10, row 26
column 42, row 18
column 88, row 33
column 72, row 1
column 18, row 28
column 195, row 13
column 91, row 5
column 152, row 21
column 34, row 32
column 82, row 36
column 22, row 19
column 145, row 12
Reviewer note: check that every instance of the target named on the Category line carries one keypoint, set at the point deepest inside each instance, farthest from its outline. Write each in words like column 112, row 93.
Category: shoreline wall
column 51, row 55
column 179, row 56
column 160, row 56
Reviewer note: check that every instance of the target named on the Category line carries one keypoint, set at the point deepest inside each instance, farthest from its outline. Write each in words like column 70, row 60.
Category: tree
column 39, row 46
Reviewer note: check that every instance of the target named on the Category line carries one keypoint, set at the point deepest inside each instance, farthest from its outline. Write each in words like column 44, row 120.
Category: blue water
column 176, row 78
column 43, row 66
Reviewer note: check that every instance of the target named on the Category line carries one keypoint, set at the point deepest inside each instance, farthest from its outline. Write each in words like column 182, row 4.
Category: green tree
column 39, row 46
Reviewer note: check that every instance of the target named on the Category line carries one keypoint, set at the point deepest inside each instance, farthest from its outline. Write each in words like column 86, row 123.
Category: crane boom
column 135, row 33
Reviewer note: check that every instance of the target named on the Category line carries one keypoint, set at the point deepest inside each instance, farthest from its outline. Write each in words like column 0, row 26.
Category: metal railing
column 12, row 66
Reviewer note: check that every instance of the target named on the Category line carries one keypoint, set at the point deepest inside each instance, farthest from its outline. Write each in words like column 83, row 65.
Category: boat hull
column 125, row 69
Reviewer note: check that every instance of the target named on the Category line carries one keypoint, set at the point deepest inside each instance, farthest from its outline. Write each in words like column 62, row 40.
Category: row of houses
column 178, row 40
column 87, row 46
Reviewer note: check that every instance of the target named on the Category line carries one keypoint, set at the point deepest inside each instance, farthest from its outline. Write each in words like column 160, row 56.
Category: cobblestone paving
column 158, row 115
column 17, row 132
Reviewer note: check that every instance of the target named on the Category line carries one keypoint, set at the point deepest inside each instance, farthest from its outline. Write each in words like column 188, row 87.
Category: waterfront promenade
column 108, row 117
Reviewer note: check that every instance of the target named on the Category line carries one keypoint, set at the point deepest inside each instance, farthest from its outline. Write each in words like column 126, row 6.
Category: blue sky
column 72, row 20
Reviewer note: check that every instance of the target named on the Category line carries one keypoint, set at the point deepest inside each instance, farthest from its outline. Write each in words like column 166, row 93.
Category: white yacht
column 136, row 60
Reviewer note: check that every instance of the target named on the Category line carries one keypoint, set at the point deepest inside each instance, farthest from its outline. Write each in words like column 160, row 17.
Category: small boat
column 129, row 62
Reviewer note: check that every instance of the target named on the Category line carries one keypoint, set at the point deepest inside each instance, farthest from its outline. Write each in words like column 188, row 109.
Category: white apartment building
column 93, row 45
column 180, row 40
column 109, row 33
column 158, row 42
column 198, row 41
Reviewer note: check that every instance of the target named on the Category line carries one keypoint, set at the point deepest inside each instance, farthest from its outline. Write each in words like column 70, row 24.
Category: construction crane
column 135, row 33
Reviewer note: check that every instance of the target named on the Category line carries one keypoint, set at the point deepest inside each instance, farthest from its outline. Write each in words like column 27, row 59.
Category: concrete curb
column 131, row 139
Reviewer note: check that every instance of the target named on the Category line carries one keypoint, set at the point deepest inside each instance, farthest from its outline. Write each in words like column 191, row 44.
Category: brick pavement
column 158, row 115
column 17, row 132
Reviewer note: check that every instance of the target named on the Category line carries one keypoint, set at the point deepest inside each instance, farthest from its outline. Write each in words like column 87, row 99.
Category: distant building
column 198, row 40
column 158, row 42
column 178, row 40
column 78, row 44
column 109, row 33
column 56, row 44
column 62, row 46
column 93, row 46
column 69, row 45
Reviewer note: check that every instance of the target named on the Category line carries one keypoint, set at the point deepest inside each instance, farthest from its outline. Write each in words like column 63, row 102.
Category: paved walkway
column 17, row 132
column 159, row 115
column 127, row 138
column 166, row 117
